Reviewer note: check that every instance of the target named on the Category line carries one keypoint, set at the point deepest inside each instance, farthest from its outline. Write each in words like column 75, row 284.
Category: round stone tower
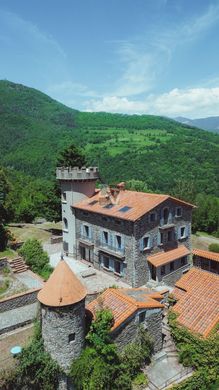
column 76, row 185
column 63, row 315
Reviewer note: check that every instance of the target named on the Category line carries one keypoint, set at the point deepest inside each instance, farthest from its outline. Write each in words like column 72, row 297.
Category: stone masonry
column 136, row 270
column 63, row 332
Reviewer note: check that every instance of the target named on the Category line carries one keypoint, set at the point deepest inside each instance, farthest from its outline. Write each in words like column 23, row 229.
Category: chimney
column 121, row 186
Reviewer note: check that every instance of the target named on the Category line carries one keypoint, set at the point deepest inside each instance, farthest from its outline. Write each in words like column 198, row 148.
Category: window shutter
column 187, row 230
column 141, row 244
column 158, row 238
column 150, row 242
column 111, row 239
column 90, row 232
column 111, row 264
column 82, row 230
column 161, row 218
column 179, row 232
column 170, row 218
column 122, row 243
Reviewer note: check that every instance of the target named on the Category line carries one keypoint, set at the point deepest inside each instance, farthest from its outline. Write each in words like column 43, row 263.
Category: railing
column 112, row 248
column 183, row 268
column 85, row 238
column 181, row 375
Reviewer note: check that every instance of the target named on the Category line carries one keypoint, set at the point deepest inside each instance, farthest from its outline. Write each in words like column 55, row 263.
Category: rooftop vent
column 109, row 206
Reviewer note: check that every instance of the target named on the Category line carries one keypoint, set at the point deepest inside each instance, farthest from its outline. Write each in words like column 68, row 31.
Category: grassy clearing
column 9, row 253
column 30, row 231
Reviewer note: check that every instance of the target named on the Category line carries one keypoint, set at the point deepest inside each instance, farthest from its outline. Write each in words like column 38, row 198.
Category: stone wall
column 125, row 334
column 63, row 330
column 98, row 223
column 172, row 277
column 154, row 327
column 19, row 300
column 128, row 331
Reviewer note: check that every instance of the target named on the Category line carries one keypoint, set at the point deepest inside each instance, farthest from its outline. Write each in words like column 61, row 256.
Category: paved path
column 96, row 281
column 29, row 279
column 18, row 316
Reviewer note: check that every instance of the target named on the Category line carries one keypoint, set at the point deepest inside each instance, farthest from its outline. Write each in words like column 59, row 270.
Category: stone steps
column 18, row 265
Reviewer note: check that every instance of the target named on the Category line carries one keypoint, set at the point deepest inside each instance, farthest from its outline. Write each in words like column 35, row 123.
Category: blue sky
column 132, row 56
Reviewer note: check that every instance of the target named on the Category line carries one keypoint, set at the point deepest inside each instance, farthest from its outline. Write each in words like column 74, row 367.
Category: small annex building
column 131, row 308
column 64, row 317
column 197, row 295
column 206, row 260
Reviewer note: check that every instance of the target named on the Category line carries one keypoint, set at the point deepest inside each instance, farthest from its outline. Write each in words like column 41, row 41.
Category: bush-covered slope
column 168, row 156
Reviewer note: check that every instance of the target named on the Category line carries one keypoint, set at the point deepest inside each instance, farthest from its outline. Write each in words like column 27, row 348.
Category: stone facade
column 63, row 332
column 131, row 258
column 128, row 331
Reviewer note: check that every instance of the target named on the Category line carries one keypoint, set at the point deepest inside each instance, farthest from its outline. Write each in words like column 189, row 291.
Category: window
column 106, row 262
column 178, row 212
column 163, row 270
column 71, row 337
column 65, row 223
column 118, row 242
column 142, row 316
column 182, row 232
column 172, row 266
column 146, row 242
column 169, row 235
column 152, row 217
column 86, row 231
column 105, row 237
column 183, row 260
column 161, row 237
column 117, row 267
column 64, row 197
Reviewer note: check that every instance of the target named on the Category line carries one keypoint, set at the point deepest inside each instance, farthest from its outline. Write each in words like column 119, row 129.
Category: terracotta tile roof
column 62, row 288
column 206, row 254
column 162, row 258
column 198, row 301
column 125, row 302
column 138, row 204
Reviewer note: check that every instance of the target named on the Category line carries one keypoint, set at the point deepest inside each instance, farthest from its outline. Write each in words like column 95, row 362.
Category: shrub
column 202, row 354
column 36, row 257
column 214, row 248
column 35, row 370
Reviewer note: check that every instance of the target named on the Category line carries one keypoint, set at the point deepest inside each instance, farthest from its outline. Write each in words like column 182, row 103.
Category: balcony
column 86, row 240
column 110, row 249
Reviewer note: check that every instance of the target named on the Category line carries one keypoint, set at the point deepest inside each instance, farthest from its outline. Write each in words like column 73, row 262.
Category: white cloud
column 144, row 60
column 192, row 103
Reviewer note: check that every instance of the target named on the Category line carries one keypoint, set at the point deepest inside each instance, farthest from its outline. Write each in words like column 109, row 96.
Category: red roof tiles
column 62, row 288
column 138, row 204
column 125, row 302
column 162, row 258
column 198, row 301
column 206, row 254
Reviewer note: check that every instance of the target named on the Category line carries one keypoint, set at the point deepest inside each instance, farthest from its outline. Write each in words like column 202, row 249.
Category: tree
column 36, row 257
column 72, row 156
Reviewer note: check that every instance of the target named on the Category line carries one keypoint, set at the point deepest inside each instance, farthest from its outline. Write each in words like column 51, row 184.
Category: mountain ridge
column 156, row 150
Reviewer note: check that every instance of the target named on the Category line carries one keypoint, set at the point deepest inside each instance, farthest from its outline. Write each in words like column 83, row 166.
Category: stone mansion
column 139, row 237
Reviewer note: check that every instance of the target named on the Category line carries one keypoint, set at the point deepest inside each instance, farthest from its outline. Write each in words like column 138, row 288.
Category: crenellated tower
column 76, row 185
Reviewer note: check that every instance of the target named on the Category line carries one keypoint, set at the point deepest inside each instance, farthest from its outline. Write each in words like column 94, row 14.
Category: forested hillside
column 165, row 155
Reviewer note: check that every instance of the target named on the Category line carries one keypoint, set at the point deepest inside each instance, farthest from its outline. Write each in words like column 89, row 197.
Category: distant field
column 203, row 240
column 117, row 140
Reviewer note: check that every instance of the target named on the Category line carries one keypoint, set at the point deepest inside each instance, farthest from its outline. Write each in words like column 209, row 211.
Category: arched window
column 65, row 222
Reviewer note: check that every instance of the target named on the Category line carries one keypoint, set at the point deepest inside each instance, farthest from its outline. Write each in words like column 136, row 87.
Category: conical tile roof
column 62, row 288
